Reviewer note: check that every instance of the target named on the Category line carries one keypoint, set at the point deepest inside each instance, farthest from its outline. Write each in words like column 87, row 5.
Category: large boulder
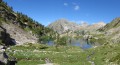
column 3, row 56
column 4, row 59
column 86, row 37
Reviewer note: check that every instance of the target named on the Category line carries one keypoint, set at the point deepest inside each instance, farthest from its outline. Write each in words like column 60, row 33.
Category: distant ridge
column 63, row 25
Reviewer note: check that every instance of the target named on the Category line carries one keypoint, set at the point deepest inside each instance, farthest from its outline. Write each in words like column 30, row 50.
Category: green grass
column 64, row 55
column 106, row 54
column 101, row 39
column 29, row 62
column 33, row 54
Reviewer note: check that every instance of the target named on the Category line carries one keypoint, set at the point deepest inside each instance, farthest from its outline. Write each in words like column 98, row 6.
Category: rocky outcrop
column 16, row 35
column 86, row 37
column 3, row 56
column 5, row 37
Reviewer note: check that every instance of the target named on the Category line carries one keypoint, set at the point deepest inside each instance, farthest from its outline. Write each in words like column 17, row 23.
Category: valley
column 24, row 41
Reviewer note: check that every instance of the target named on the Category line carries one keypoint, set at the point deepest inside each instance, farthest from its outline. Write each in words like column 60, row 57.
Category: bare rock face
column 17, row 35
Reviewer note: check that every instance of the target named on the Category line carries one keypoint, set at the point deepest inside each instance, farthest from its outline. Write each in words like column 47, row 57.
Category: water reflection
column 76, row 42
column 81, row 43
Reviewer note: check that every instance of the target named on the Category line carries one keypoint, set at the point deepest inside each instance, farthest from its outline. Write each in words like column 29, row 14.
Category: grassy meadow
column 34, row 54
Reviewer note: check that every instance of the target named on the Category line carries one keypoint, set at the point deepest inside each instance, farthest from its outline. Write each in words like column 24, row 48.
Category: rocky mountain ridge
column 113, row 24
column 112, row 30
column 63, row 25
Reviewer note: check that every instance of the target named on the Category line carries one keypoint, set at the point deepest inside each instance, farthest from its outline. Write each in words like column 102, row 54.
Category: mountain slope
column 19, row 28
column 112, row 30
column 114, row 24
column 63, row 25
column 18, row 34
column 93, row 26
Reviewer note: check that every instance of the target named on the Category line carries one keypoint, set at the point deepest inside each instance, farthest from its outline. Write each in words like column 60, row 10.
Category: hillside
column 96, row 26
column 112, row 30
column 114, row 24
column 24, row 41
column 63, row 25
column 19, row 27
column 92, row 27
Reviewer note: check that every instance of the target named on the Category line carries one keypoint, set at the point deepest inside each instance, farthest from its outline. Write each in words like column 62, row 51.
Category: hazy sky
column 47, row 11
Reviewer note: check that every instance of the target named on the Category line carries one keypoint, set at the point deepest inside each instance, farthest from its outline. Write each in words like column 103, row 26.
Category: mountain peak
column 62, row 25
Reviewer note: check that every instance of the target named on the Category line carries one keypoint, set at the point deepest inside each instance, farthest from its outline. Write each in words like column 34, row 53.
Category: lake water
column 76, row 42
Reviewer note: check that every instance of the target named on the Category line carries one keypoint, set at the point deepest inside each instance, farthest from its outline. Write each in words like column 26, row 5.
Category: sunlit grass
column 34, row 54
column 64, row 55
